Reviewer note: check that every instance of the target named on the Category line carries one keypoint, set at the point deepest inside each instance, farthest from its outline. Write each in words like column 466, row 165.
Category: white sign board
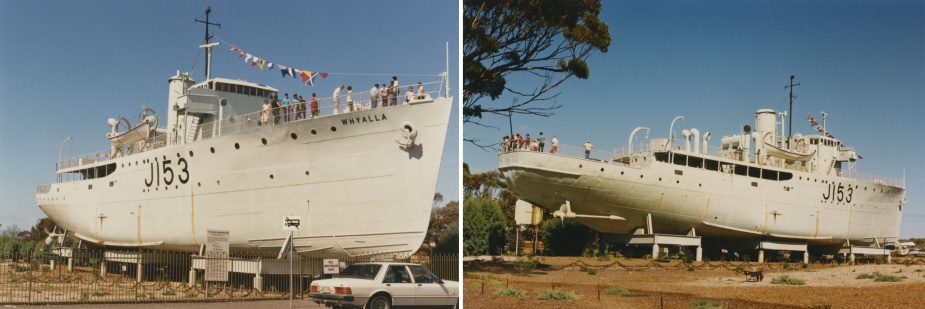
column 292, row 223
column 217, row 255
column 331, row 266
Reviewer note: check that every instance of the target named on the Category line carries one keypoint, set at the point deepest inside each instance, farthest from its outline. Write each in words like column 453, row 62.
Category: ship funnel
column 706, row 137
column 695, row 135
column 687, row 139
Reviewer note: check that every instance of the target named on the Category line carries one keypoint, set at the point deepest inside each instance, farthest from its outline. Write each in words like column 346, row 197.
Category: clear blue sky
column 68, row 66
column 717, row 62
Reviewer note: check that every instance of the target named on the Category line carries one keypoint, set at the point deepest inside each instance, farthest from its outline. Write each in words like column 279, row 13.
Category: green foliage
column 566, row 238
column 484, row 227
column 703, row 304
column 511, row 292
column 662, row 258
column 557, row 295
column 526, row 265
column 448, row 240
column 878, row 277
column 786, row 280
column 542, row 41
column 615, row 290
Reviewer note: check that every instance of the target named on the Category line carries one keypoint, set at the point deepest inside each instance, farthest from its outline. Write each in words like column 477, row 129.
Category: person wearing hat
column 588, row 148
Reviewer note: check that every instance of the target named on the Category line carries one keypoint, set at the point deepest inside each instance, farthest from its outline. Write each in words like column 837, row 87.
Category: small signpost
column 331, row 266
column 291, row 223
column 217, row 255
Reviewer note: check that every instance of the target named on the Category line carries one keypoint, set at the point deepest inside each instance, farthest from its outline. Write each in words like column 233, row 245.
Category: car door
column 429, row 292
column 398, row 281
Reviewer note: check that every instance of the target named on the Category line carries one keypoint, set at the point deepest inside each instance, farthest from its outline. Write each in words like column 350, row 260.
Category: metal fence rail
column 91, row 276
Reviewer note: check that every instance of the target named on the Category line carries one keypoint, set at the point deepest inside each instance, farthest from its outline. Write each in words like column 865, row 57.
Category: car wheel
column 380, row 302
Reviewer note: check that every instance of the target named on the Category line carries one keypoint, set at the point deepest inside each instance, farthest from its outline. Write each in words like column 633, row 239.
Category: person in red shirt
column 314, row 105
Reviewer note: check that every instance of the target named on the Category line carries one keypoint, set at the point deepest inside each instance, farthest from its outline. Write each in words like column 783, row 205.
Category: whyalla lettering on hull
column 364, row 119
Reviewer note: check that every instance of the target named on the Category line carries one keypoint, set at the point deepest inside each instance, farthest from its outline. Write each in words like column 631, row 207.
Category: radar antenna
column 208, row 39
column 790, row 129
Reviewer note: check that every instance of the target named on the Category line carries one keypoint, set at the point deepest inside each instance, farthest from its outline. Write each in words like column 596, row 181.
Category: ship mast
column 790, row 129
column 208, row 45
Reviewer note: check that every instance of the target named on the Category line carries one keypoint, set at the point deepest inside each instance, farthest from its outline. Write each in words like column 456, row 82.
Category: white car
column 385, row 285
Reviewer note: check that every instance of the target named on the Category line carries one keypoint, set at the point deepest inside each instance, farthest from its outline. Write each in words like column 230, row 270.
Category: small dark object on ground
column 753, row 276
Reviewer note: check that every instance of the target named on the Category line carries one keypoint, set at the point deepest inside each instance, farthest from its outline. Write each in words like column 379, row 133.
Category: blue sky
column 68, row 66
column 717, row 62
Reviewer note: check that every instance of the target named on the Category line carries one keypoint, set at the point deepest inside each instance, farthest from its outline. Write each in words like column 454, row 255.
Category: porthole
column 579, row 165
column 218, row 182
column 660, row 179
column 293, row 136
column 333, row 129
column 602, row 169
column 263, row 140
column 306, row 173
column 212, row 149
column 271, row 176
column 199, row 184
column 89, row 187
column 640, row 176
column 700, row 185
column 314, row 132
column 191, row 153
column 237, row 146
column 677, row 181
column 621, row 173
column 178, row 155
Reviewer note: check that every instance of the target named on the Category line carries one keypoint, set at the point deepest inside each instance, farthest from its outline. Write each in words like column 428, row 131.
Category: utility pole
column 790, row 129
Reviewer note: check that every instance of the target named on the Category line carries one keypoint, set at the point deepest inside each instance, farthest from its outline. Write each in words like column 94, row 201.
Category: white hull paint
column 355, row 189
column 815, row 203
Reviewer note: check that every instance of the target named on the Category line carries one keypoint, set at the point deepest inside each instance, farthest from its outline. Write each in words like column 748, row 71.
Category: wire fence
column 92, row 276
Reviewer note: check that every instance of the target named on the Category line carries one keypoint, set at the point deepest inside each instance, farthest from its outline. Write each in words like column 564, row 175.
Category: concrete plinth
column 258, row 283
column 103, row 269
column 140, row 274
column 192, row 277
column 806, row 257
column 760, row 256
column 654, row 251
column 51, row 264
column 70, row 264
column 699, row 254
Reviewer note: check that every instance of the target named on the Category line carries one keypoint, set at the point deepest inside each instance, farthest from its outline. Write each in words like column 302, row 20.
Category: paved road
column 264, row 304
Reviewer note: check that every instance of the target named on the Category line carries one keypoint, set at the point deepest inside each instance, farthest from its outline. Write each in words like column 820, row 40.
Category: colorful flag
column 262, row 64
column 248, row 58
column 306, row 76
column 241, row 55
column 234, row 48
column 284, row 70
column 324, row 74
column 819, row 128
column 269, row 65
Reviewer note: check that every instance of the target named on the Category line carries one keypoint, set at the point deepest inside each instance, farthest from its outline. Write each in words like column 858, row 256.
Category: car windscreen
column 361, row 271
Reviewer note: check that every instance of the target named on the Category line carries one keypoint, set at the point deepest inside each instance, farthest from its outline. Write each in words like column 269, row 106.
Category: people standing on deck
column 542, row 141
column 336, row 99
column 534, row 146
column 277, row 107
column 314, row 105
column 350, row 98
column 383, row 96
column 265, row 113
column 505, row 142
column 519, row 142
column 409, row 95
column 555, row 144
column 301, row 108
column 374, row 96
column 588, row 148
column 287, row 104
column 393, row 92
column 420, row 91
column 527, row 142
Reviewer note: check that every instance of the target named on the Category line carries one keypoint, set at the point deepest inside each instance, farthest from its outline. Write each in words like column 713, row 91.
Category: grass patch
column 169, row 293
column 99, row 294
column 615, row 290
column 475, row 285
column 788, row 281
column 878, row 277
column 557, row 295
column 526, row 266
column 703, row 304
column 590, row 271
column 515, row 293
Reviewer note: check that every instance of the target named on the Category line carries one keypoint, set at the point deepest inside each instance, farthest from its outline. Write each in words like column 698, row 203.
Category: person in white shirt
column 350, row 105
column 555, row 144
column 588, row 148
column 409, row 95
column 374, row 96
column 393, row 91
column 421, row 93
column 336, row 99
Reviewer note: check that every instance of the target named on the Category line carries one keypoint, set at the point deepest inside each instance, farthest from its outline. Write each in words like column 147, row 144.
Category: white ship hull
column 356, row 190
column 714, row 203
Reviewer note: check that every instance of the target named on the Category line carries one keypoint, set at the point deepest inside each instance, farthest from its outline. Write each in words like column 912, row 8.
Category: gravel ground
column 826, row 285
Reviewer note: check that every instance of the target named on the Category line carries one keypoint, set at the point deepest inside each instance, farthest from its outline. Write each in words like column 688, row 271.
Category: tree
column 549, row 41
column 566, row 237
column 448, row 240
column 484, row 227
column 441, row 219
